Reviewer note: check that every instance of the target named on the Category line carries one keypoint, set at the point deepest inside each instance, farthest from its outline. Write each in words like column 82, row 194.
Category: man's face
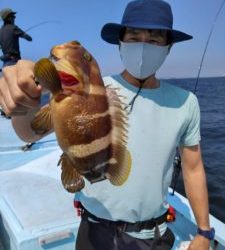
column 10, row 18
column 156, row 36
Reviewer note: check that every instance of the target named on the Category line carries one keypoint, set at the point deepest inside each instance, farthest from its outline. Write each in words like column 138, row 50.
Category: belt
column 127, row 226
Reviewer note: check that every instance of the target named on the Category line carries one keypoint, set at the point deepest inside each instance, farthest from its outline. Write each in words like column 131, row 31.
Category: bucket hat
column 4, row 13
column 144, row 14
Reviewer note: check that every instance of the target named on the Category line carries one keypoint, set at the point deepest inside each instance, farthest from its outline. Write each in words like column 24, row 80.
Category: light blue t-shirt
column 162, row 119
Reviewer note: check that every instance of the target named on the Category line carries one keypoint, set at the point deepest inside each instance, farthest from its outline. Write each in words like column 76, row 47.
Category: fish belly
column 84, row 135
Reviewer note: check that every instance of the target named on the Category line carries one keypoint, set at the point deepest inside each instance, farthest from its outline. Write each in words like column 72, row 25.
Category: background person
column 9, row 37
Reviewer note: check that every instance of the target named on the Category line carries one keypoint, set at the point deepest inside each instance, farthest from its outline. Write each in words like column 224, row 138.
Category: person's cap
column 4, row 13
column 144, row 14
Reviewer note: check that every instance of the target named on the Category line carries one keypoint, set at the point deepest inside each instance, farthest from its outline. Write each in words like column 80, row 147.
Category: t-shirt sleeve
column 18, row 31
column 191, row 135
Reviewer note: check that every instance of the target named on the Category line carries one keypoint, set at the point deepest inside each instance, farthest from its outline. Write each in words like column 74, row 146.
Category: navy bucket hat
column 144, row 14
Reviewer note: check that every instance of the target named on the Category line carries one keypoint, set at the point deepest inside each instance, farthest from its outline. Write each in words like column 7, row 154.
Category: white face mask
column 142, row 60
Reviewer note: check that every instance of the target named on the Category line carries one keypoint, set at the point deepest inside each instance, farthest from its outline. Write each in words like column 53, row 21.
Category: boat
column 36, row 212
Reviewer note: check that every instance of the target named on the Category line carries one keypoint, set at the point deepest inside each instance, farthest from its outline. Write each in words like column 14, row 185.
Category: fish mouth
column 67, row 79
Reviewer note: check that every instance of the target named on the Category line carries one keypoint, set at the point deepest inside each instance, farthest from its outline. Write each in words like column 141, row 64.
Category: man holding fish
column 154, row 120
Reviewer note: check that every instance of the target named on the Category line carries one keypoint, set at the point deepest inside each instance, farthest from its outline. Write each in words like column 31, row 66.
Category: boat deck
column 35, row 211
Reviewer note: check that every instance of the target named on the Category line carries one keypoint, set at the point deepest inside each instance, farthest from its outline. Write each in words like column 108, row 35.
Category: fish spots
column 67, row 79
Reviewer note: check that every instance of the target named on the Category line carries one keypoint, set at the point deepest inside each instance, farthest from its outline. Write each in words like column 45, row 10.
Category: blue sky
column 83, row 19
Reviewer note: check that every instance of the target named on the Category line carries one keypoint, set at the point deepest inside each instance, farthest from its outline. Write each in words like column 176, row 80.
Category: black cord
column 176, row 172
column 131, row 103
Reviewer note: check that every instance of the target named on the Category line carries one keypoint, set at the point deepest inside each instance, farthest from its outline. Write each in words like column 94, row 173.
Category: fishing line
column 207, row 43
column 37, row 25
column 177, row 160
column 42, row 23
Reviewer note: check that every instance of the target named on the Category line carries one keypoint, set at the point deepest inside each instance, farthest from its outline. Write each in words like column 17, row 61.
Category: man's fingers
column 10, row 112
column 20, row 98
column 9, row 105
column 21, row 86
column 26, row 80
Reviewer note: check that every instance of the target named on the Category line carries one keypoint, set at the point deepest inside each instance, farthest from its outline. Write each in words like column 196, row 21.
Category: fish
column 88, row 118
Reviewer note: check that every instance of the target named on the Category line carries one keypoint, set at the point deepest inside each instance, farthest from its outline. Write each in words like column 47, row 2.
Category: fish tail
column 118, row 172
column 47, row 75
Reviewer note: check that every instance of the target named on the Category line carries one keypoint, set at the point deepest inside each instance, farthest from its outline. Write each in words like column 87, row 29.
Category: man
column 9, row 37
column 161, row 117
column 9, row 40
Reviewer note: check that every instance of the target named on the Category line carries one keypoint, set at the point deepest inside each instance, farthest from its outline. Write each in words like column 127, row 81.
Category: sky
column 82, row 20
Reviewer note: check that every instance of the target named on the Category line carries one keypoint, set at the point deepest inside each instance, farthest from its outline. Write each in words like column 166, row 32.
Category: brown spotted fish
column 87, row 117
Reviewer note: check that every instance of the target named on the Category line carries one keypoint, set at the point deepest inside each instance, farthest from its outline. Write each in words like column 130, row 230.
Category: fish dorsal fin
column 42, row 122
column 120, row 162
column 46, row 74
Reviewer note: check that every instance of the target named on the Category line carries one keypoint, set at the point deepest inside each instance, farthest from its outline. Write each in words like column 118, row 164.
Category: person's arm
column 26, row 36
column 20, row 97
column 21, row 33
column 21, row 125
column 196, row 191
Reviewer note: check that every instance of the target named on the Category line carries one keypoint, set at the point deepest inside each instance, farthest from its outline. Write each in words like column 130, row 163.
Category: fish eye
column 75, row 42
column 87, row 56
column 53, row 58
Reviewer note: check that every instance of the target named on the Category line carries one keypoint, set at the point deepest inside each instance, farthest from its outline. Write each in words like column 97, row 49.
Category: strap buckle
column 121, row 226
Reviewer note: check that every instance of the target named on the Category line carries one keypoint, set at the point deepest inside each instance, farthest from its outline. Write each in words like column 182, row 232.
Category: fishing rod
column 41, row 23
column 37, row 25
column 177, row 160
column 207, row 43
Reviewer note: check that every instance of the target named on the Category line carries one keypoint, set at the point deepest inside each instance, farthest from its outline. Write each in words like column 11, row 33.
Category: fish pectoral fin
column 42, row 122
column 119, row 170
column 46, row 74
column 59, row 97
column 71, row 179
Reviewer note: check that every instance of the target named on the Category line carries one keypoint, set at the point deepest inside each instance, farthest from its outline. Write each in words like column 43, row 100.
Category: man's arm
column 26, row 36
column 21, row 125
column 196, row 191
column 22, row 34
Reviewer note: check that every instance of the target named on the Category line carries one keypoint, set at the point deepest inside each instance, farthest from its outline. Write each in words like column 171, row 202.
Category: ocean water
column 211, row 96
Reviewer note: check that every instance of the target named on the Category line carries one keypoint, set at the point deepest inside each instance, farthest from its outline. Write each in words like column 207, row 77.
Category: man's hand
column 199, row 243
column 18, row 90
